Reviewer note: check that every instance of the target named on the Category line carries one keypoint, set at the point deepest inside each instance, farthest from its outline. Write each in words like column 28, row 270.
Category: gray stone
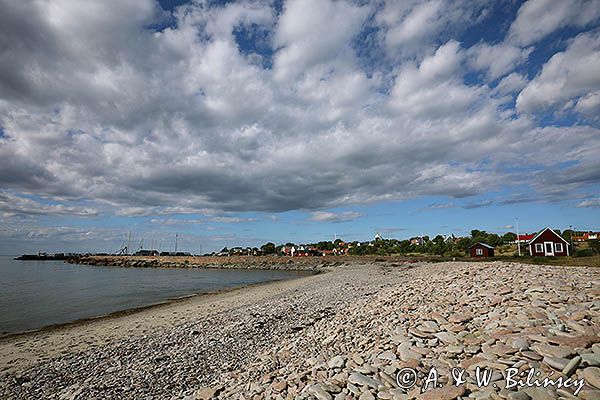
column 555, row 362
column 518, row 396
column 592, row 376
column 572, row 366
column 367, row 396
column 482, row 395
column 360, row 379
column 520, row 344
column 545, row 350
column 336, row 362
column 590, row 359
column 205, row 393
column 429, row 327
column 387, row 355
column 532, row 355
column 565, row 395
column 447, row 337
column 319, row 392
column 353, row 389
column 589, row 394
column 358, row 359
column 407, row 354
column 540, row 393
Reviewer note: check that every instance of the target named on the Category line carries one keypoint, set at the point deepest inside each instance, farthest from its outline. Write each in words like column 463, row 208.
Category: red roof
column 526, row 236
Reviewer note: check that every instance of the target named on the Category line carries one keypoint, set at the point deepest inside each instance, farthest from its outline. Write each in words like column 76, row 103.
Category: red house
column 481, row 250
column 548, row 243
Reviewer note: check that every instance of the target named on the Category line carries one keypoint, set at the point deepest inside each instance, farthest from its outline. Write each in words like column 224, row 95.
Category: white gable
column 551, row 230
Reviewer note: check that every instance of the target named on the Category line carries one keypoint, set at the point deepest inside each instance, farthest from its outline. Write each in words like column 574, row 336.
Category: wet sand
column 22, row 349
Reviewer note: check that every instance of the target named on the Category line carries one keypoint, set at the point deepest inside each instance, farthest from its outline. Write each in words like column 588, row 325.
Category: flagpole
column 518, row 240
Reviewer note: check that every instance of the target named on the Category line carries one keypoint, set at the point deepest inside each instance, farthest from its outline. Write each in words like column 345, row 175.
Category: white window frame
column 558, row 247
column 539, row 248
column 478, row 252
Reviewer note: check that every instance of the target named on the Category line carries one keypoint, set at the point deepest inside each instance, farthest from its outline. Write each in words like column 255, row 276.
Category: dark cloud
column 440, row 206
column 97, row 105
column 479, row 204
column 18, row 171
column 11, row 204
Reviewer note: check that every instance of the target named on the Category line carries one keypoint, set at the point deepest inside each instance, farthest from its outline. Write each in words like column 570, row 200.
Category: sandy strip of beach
column 341, row 335
column 20, row 350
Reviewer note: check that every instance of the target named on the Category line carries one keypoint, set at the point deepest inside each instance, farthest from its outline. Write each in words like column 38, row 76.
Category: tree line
column 439, row 245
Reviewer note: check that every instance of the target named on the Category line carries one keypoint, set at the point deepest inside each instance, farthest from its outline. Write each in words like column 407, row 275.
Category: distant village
column 544, row 243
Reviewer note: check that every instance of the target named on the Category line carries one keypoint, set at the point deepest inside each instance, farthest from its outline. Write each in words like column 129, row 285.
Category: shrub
column 584, row 253
column 454, row 253
column 594, row 245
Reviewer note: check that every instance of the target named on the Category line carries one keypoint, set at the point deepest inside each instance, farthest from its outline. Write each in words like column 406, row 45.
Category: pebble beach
column 349, row 333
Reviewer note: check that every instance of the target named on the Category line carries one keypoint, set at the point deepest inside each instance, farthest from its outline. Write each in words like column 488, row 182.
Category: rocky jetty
column 348, row 333
column 234, row 262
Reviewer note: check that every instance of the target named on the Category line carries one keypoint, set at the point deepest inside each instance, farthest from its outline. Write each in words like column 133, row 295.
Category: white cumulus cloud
column 538, row 18
column 567, row 76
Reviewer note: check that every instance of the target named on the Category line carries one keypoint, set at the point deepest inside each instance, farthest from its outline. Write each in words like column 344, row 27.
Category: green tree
column 567, row 233
column 439, row 248
column 438, row 239
column 325, row 245
column 476, row 233
column 405, row 246
column 493, row 240
column 268, row 248
column 509, row 237
column 464, row 243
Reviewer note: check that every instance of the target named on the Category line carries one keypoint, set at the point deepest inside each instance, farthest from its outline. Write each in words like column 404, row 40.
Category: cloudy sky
column 239, row 122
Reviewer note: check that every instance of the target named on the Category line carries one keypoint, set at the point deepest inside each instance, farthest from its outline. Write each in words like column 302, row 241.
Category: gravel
column 345, row 334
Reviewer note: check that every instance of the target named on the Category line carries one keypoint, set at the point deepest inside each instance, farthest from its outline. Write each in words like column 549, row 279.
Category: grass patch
column 588, row 261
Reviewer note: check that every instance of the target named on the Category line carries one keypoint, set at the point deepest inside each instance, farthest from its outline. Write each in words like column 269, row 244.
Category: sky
column 241, row 122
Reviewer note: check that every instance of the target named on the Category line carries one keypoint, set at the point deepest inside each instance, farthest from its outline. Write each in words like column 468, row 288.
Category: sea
column 35, row 294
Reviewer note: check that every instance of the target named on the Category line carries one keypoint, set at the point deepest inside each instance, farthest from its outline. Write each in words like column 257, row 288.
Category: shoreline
column 213, row 299
column 337, row 335
column 156, row 305
column 127, row 311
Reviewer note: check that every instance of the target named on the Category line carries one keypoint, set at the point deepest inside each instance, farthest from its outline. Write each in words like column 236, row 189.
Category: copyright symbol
column 406, row 378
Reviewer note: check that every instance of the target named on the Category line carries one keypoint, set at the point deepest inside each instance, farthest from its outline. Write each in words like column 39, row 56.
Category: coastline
column 98, row 323
column 133, row 310
column 338, row 335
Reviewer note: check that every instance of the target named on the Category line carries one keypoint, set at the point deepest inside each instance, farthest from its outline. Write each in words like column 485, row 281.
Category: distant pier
column 46, row 256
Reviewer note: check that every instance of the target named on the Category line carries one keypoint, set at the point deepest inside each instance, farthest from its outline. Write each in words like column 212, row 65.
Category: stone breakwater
column 263, row 263
column 345, row 335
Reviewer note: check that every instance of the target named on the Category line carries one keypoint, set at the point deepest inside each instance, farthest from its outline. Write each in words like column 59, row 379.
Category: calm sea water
column 34, row 294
